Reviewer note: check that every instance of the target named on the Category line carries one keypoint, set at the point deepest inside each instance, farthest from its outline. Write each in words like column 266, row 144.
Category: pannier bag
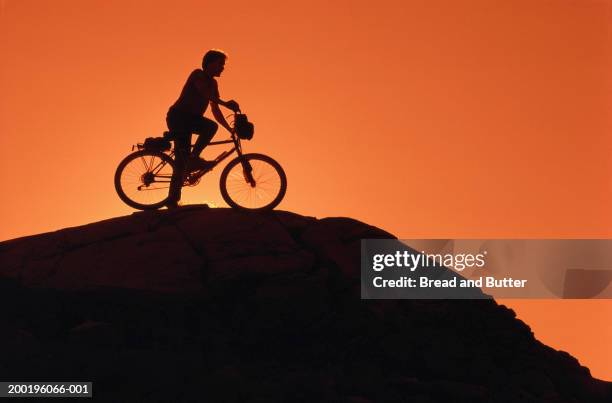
column 244, row 128
column 157, row 144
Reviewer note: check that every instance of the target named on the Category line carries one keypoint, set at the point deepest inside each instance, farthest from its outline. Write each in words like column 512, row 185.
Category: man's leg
column 182, row 142
column 206, row 129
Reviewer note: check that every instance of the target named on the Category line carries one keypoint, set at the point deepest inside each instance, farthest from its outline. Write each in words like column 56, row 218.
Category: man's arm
column 216, row 99
column 214, row 107
column 233, row 105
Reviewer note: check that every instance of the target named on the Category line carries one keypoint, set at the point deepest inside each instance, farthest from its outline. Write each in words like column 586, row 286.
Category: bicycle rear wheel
column 142, row 179
column 253, row 182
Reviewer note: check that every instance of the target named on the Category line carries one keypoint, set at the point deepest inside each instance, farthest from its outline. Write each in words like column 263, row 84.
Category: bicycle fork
column 247, row 169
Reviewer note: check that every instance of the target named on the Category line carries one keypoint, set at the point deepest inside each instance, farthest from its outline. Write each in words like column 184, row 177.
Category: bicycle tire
column 258, row 162
column 120, row 173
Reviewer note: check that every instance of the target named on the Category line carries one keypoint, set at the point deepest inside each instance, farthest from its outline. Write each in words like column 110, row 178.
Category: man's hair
column 213, row 55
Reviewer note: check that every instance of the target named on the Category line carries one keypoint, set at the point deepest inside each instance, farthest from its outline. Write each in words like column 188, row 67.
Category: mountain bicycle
column 248, row 182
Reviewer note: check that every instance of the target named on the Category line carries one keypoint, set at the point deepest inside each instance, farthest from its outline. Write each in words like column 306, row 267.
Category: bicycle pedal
column 192, row 183
column 192, row 179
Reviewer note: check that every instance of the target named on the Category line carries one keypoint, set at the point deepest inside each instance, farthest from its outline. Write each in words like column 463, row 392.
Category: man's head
column 214, row 62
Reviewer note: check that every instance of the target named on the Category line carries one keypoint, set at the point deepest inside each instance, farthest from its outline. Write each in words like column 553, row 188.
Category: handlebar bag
column 244, row 128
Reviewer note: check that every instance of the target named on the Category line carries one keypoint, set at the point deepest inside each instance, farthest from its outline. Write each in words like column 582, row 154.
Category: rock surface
column 201, row 304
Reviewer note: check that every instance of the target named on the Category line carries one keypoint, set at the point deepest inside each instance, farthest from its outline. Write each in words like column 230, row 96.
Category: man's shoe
column 172, row 204
column 199, row 164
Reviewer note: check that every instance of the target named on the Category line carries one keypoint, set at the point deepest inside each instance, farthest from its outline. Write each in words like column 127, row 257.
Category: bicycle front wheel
column 253, row 182
column 142, row 179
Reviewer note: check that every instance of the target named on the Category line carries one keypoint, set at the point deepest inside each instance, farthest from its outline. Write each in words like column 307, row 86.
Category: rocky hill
column 200, row 304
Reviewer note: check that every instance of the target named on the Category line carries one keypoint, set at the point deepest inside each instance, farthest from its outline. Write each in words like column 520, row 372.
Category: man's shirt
column 197, row 92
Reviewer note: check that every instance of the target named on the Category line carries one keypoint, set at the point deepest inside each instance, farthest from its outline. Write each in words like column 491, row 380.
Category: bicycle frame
column 236, row 148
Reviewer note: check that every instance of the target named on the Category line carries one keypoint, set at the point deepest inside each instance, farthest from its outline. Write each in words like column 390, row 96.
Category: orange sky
column 429, row 118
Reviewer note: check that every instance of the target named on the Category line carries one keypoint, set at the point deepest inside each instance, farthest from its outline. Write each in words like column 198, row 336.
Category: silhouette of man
column 185, row 117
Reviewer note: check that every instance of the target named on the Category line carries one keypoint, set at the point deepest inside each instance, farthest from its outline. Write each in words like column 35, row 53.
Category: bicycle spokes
column 145, row 179
column 253, row 184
